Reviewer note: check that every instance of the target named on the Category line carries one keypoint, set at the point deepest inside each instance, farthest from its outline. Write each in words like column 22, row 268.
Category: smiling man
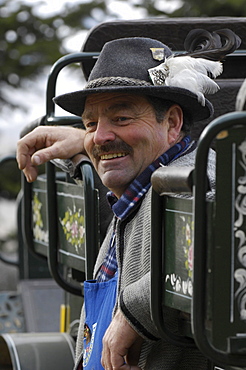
column 123, row 137
column 134, row 123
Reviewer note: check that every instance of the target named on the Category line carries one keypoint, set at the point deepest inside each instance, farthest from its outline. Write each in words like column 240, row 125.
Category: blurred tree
column 29, row 42
column 211, row 8
column 193, row 8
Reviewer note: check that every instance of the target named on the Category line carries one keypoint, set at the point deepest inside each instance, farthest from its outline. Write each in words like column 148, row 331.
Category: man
column 133, row 123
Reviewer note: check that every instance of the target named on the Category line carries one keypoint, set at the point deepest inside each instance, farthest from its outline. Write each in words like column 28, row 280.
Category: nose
column 104, row 132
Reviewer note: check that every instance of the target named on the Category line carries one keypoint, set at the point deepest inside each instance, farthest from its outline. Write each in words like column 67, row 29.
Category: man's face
column 122, row 137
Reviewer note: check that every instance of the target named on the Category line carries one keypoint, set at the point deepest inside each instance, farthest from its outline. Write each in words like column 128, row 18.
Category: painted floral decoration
column 188, row 248
column 183, row 285
column 39, row 233
column 73, row 225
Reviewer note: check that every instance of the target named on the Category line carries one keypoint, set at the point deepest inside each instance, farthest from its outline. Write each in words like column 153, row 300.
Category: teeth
column 112, row 155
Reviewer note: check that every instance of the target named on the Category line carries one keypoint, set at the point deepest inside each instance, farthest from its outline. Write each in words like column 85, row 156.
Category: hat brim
column 74, row 102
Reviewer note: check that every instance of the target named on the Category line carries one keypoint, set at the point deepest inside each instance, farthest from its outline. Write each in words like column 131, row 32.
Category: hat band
column 116, row 81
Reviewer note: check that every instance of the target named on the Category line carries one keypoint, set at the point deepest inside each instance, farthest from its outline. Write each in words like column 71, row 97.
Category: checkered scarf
column 123, row 206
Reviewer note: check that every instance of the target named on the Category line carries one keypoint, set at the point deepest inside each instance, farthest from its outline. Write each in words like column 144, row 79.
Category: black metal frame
column 201, row 252
column 3, row 258
column 201, row 239
column 200, row 216
column 91, row 224
column 158, row 273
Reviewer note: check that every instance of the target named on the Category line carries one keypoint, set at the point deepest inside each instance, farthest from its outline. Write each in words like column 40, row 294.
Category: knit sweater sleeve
column 134, row 265
column 135, row 287
column 134, row 303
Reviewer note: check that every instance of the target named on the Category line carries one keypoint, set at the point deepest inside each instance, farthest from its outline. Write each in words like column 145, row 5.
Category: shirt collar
column 139, row 187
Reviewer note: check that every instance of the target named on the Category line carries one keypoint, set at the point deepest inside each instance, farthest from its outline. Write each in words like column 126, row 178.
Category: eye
column 90, row 125
column 122, row 119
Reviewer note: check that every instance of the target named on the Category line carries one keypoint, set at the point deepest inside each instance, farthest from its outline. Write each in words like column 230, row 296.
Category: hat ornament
column 196, row 69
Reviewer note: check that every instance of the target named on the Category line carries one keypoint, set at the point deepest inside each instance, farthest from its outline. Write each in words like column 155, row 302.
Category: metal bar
column 51, row 186
column 91, row 219
column 200, row 242
column 56, row 68
column 158, row 274
column 53, row 234
column 2, row 257
column 166, row 180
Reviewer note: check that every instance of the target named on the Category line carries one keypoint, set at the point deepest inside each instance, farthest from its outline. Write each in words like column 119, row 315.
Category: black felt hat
column 122, row 66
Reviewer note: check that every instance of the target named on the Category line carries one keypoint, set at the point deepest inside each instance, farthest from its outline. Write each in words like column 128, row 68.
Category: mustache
column 98, row 150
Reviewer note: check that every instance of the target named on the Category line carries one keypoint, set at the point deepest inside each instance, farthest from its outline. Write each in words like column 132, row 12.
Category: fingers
column 121, row 345
column 112, row 360
column 123, row 367
column 37, row 146
column 45, row 143
column 31, row 174
column 23, row 157
column 24, row 153
column 28, row 145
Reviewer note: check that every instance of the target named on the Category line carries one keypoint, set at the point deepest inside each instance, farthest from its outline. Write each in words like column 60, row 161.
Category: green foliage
column 29, row 42
column 211, row 8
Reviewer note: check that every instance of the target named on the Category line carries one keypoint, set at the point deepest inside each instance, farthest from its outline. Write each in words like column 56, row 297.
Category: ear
column 174, row 118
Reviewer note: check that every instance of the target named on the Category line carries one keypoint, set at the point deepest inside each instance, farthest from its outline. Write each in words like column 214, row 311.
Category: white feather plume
column 241, row 97
column 188, row 73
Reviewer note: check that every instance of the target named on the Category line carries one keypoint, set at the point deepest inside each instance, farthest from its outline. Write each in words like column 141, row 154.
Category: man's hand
column 121, row 345
column 45, row 143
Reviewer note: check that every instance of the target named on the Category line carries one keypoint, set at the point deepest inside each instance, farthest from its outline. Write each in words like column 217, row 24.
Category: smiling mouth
column 112, row 155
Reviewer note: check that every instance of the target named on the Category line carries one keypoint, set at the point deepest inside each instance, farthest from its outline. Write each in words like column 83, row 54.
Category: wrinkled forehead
column 111, row 96
column 113, row 101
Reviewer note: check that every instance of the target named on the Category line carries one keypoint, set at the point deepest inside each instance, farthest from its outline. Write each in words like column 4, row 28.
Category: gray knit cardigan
column 133, row 255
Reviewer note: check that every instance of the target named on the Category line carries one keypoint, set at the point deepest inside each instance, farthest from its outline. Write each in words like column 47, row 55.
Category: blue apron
column 99, row 301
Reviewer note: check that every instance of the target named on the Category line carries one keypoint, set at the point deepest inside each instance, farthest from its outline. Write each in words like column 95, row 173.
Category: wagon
column 198, row 246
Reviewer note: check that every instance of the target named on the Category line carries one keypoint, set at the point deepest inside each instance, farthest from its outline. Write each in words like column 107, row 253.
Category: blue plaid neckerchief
column 126, row 203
